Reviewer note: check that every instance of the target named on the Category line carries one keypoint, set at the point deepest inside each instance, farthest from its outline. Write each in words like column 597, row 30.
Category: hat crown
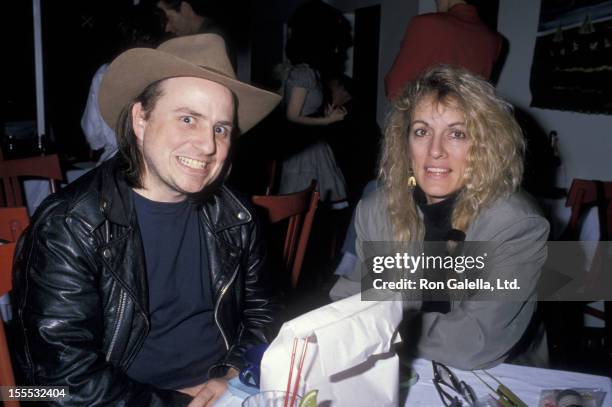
column 207, row 51
column 199, row 56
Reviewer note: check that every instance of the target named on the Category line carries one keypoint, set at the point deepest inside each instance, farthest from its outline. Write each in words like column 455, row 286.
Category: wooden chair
column 271, row 170
column 7, row 377
column 13, row 222
column 582, row 196
column 569, row 337
column 47, row 166
column 299, row 209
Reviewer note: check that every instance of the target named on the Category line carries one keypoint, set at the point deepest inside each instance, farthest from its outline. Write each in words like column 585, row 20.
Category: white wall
column 585, row 139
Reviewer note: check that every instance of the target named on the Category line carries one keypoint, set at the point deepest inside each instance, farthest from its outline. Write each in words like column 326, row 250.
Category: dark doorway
column 365, row 57
column 487, row 10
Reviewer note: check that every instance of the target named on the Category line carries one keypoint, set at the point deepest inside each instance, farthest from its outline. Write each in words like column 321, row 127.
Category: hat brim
column 131, row 72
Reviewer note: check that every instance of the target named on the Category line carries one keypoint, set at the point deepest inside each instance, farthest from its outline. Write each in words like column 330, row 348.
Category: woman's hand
column 334, row 114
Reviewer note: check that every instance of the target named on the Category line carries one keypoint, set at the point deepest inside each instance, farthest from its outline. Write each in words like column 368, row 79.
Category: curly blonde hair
column 494, row 160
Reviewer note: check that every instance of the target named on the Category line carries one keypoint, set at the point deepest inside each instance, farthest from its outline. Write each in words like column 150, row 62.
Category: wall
column 585, row 139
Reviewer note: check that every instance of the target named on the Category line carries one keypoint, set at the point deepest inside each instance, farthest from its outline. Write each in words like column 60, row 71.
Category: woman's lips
column 437, row 172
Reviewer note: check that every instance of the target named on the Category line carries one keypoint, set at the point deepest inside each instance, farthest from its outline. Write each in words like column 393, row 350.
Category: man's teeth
column 438, row 170
column 190, row 162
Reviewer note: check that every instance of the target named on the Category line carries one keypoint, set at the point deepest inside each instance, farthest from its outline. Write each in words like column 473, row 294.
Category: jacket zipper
column 223, row 291
column 119, row 318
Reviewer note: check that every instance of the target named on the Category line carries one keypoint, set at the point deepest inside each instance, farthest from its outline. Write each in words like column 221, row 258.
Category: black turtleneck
column 436, row 216
column 438, row 227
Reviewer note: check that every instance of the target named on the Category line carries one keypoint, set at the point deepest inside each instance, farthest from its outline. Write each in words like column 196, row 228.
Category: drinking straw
column 290, row 371
column 299, row 372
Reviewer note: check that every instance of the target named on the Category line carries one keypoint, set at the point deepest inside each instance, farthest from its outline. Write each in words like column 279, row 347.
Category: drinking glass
column 272, row 398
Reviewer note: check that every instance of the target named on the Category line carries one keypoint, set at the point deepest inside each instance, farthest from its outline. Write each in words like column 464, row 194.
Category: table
column 525, row 382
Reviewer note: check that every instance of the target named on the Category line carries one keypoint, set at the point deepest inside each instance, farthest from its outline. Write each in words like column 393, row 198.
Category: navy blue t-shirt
column 184, row 340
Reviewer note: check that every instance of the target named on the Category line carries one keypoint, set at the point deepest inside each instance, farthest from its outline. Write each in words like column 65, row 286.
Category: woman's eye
column 458, row 134
column 420, row 132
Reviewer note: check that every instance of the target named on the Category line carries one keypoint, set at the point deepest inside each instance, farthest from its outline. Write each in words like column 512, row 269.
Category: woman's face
column 438, row 145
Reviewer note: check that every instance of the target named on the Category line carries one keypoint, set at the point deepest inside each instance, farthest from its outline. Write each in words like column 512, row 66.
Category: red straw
column 290, row 371
column 299, row 372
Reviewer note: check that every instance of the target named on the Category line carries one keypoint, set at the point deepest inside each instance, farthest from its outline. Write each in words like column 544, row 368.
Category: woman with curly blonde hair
column 450, row 170
column 489, row 140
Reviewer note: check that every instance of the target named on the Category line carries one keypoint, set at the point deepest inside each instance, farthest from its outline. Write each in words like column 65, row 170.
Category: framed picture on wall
column 572, row 63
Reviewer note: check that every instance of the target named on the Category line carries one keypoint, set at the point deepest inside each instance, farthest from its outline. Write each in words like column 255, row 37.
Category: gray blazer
column 479, row 334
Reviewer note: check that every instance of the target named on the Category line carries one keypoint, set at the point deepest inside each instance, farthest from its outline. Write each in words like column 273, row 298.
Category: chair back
column 585, row 194
column 569, row 339
column 47, row 166
column 13, row 221
column 7, row 377
column 299, row 209
column 271, row 170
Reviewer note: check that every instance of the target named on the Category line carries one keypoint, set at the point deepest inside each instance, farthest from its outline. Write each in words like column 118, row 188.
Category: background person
column 136, row 30
column 307, row 155
column 455, row 35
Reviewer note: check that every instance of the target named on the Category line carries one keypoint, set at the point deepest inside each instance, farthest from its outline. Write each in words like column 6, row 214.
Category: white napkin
column 349, row 357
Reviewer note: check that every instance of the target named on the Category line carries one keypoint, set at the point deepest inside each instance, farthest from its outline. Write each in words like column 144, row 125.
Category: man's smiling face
column 185, row 139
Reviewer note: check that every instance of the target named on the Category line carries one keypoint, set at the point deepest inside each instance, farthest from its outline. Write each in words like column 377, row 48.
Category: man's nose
column 206, row 142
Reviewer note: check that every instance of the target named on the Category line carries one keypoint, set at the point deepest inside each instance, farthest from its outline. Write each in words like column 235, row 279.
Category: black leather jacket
column 81, row 296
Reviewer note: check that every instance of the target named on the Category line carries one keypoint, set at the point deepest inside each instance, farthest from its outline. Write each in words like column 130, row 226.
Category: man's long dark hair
column 130, row 156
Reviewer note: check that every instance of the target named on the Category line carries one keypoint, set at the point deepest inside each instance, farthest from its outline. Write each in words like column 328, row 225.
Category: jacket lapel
column 220, row 214
column 123, row 252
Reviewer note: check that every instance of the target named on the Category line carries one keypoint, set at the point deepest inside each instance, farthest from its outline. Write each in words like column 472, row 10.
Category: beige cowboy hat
column 201, row 56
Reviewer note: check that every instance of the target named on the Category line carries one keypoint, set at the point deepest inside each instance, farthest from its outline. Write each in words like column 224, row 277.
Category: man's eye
column 221, row 131
column 187, row 119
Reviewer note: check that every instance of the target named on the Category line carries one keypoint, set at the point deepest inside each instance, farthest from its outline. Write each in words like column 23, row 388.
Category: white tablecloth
column 525, row 382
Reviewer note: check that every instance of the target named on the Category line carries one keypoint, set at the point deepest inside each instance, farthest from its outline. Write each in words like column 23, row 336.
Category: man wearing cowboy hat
column 147, row 275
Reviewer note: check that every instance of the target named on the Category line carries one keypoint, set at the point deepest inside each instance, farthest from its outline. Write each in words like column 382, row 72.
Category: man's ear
column 139, row 121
